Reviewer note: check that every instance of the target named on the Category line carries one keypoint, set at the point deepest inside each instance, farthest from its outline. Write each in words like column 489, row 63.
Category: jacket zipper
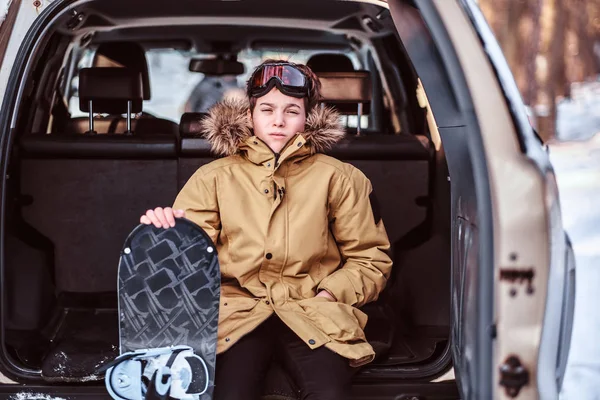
column 274, row 184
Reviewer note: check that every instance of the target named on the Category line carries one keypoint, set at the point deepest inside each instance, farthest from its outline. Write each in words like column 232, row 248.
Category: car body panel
column 525, row 239
column 560, row 298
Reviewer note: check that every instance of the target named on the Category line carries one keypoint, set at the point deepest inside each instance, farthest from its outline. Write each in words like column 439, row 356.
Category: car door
column 512, row 265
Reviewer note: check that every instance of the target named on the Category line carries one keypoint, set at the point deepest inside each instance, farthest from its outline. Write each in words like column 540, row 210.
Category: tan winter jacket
column 286, row 228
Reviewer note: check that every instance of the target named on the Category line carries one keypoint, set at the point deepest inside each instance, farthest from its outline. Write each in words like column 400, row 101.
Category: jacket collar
column 258, row 152
column 229, row 131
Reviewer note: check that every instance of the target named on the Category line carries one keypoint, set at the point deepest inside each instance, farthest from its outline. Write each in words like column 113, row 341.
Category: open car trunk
column 74, row 198
column 77, row 208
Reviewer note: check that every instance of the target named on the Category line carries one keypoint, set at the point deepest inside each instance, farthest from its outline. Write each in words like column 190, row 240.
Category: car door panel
column 508, row 265
column 560, row 297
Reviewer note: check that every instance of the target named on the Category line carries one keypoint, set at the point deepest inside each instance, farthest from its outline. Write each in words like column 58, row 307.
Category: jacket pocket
column 234, row 310
column 341, row 322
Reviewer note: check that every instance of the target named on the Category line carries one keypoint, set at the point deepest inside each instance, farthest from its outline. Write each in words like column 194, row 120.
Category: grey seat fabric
column 92, row 204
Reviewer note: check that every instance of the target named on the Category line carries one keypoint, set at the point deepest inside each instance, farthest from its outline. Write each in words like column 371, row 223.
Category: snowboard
column 168, row 290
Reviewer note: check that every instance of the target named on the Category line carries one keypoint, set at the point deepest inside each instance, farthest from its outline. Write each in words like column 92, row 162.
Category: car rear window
column 176, row 90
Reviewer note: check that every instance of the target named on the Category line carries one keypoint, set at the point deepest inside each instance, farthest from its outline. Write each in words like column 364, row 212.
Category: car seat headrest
column 124, row 54
column 345, row 87
column 109, row 90
column 189, row 124
column 348, row 92
column 330, row 62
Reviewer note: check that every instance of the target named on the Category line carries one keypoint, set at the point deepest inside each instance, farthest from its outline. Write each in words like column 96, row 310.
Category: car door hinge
column 513, row 376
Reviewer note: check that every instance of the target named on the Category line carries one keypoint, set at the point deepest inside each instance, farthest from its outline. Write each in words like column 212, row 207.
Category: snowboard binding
column 157, row 374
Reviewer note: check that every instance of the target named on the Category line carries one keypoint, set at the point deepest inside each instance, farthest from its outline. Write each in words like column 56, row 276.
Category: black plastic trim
column 99, row 146
column 453, row 107
column 10, row 368
column 427, row 372
column 485, row 276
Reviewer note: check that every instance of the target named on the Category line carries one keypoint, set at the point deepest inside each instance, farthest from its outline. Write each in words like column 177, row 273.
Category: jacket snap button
column 267, row 191
column 267, row 302
column 268, row 164
column 224, row 304
column 311, row 341
column 255, row 142
column 299, row 144
column 227, row 339
column 269, row 256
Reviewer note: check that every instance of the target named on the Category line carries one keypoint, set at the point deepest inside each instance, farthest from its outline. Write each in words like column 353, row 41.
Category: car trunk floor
column 84, row 337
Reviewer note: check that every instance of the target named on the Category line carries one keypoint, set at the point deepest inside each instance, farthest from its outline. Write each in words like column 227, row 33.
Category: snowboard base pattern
column 169, row 286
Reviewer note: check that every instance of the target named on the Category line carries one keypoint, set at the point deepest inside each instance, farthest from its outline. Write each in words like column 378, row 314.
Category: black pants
column 320, row 374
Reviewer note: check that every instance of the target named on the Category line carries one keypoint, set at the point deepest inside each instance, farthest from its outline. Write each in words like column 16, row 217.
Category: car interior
column 103, row 133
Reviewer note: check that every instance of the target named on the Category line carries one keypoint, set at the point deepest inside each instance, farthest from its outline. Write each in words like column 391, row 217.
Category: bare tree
column 556, row 82
column 570, row 46
column 582, row 23
column 531, row 51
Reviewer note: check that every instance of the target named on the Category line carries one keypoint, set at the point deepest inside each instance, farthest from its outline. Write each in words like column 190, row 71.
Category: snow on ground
column 577, row 166
column 34, row 396
column 579, row 117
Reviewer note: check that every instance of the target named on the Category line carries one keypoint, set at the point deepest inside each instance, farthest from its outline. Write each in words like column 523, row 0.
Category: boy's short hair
column 314, row 85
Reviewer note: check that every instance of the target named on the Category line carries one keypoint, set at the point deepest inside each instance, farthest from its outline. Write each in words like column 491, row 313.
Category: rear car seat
column 87, row 193
column 132, row 56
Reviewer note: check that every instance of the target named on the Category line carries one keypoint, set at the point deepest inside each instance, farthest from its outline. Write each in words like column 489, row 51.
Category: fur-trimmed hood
column 227, row 126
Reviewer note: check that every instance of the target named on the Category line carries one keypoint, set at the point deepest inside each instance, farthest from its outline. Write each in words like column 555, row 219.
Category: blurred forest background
column 550, row 45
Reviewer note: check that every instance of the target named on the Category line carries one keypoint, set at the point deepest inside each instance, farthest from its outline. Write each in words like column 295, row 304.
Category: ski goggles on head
column 288, row 79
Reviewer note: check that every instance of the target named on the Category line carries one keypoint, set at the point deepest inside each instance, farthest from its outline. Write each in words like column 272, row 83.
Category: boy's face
column 277, row 118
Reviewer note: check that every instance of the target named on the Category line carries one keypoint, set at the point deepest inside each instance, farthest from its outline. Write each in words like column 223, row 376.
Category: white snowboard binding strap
column 157, row 374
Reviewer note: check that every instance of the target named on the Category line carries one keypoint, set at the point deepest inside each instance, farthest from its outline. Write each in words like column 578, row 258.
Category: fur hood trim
column 227, row 126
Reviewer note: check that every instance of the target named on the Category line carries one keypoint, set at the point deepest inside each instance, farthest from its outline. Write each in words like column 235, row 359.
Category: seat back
column 88, row 191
